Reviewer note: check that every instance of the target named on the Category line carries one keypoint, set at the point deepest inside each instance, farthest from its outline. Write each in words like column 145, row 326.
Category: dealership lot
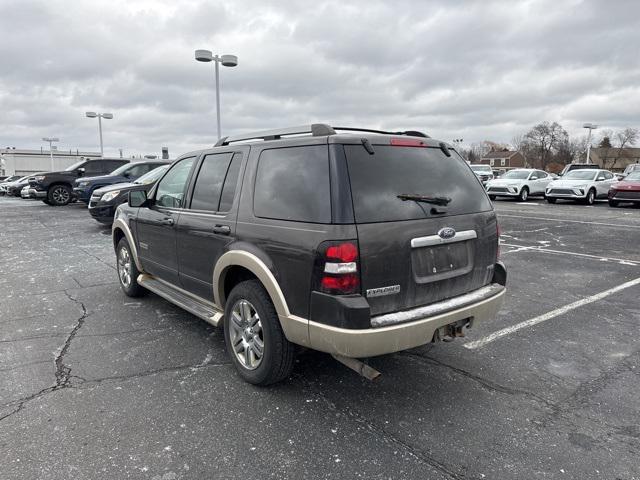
column 98, row 384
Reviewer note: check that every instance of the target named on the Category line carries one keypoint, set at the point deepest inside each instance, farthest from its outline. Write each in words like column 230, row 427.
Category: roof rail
column 315, row 129
column 412, row 133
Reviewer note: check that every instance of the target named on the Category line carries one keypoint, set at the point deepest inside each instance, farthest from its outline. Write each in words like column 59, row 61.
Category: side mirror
column 137, row 198
column 81, row 171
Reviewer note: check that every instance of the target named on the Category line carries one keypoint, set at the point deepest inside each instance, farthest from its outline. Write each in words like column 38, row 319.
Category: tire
column 591, row 197
column 243, row 335
column 613, row 203
column 524, row 194
column 127, row 270
column 46, row 201
column 492, row 197
column 551, row 200
column 59, row 195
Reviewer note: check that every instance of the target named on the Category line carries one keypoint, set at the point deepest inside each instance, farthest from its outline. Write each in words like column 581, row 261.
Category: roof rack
column 315, row 129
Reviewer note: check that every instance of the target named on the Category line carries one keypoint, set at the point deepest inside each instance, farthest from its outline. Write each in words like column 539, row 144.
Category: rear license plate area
column 439, row 262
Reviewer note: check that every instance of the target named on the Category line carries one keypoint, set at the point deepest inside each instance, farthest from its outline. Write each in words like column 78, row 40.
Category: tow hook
column 359, row 367
column 448, row 333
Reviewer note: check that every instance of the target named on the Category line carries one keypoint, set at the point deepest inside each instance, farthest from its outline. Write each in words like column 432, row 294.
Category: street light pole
column 227, row 61
column 591, row 127
column 100, row 116
column 51, row 140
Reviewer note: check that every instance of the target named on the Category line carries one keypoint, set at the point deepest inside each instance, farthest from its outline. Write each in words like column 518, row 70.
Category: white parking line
column 542, row 248
column 549, row 315
column 564, row 220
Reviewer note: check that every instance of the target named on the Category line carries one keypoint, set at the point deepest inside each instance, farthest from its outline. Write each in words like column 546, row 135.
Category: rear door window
column 378, row 179
column 208, row 186
column 293, row 184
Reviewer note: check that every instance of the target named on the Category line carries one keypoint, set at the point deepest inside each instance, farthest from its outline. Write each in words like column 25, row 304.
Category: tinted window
column 170, row 191
column 230, row 183
column 377, row 180
column 206, row 193
column 293, row 184
column 94, row 168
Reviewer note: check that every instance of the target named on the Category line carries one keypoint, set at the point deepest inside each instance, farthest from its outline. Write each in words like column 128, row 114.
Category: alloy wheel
column 246, row 334
column 60, row 195
column 124, row 267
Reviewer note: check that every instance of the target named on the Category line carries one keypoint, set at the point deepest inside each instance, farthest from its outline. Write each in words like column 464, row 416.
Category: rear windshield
column 378, row 179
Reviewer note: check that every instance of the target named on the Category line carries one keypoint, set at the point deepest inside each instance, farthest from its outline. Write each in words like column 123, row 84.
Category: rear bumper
column 417, row 328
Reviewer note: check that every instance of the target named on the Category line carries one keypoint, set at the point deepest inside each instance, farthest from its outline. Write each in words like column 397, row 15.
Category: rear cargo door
column 426, row 228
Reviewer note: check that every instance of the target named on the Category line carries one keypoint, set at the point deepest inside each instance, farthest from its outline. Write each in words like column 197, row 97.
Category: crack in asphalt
column 385, row 435
column 483, row 382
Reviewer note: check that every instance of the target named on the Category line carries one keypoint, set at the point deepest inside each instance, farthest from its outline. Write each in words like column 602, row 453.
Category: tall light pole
column 100, row 116
column 227, row 61
column 51, row 141
column 591, row 127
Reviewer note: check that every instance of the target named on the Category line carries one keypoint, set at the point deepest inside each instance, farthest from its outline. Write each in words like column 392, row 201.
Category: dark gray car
column 356, row 244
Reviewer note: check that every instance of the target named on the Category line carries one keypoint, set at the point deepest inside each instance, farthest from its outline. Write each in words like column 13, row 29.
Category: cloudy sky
column 471, row 69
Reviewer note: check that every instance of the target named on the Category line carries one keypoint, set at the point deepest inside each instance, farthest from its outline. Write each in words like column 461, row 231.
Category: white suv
column 520, row 183
column 581, row 185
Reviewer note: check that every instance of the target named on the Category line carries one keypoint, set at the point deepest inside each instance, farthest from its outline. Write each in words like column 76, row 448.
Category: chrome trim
column 438, row 240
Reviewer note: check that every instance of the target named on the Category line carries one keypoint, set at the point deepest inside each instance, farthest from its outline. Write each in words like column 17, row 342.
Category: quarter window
column 293, row 184
column 171, row 188
column 230, row 183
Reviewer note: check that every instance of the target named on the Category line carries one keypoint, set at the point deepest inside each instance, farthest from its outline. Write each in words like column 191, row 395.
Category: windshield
column 581, row 175
column 517, row 174
column 120, row 170
column 405, row 183
column 632, row 168
column 481, row 168
column 152, row 176
column 12, row 178
column 74, row 166
column 633, row 176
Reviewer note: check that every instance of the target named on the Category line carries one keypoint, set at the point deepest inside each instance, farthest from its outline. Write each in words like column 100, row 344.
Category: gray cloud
column 474, row 69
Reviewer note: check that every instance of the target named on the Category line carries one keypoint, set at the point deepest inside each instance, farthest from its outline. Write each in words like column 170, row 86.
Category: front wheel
column 492, row 197
column 524, row 194
column 591, row 197
column 127, row 270
column 59, row 195
column 260, row 352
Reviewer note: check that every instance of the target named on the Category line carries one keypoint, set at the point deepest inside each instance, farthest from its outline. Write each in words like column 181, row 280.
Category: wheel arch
column 121, row 230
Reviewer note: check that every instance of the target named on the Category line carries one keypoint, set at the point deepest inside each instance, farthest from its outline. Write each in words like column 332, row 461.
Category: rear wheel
column 524, row 194
column 59, row 195
column 591, row 197
column 255, row 341
column 127, row 270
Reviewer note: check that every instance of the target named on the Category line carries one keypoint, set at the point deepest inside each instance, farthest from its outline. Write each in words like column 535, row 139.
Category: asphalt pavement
column 94, row 384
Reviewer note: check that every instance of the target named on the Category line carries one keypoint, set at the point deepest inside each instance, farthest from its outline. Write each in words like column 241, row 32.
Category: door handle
column 167, row 221
column 222, row 229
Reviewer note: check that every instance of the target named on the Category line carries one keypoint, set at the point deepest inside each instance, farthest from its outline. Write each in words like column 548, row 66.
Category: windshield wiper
column 443, row 201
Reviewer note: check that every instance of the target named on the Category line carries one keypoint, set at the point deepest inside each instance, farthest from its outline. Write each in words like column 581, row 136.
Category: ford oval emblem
column 446, row 233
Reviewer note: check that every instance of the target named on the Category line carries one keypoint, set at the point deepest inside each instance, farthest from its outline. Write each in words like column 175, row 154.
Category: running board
column 192, row 304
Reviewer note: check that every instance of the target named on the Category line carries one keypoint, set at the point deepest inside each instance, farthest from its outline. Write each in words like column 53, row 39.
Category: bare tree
column 545, row 139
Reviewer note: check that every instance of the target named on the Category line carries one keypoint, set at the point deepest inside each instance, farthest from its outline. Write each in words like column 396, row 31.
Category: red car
column 627, row 190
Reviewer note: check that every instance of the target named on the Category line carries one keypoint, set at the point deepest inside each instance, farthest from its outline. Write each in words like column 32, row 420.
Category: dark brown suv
column 348, row 241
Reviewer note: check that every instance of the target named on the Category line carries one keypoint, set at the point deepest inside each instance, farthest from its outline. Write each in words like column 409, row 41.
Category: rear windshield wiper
column 443, row 201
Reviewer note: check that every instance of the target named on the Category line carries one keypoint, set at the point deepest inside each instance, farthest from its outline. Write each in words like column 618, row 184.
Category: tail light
column 336, row 268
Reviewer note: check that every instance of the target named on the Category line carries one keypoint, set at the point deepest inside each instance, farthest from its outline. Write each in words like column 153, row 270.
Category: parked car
column 520, row 183
column 626, row 191
column 128, row 172
column 277, row 242
column 578, row 166
column 6, row 181
column 14, row 188
column 634, row 167
column 584, row 185
column 483, row 172
column 105, row 200
column 56, row 188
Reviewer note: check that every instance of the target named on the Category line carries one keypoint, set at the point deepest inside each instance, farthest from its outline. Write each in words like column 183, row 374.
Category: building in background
column 504, row 159
column 613, row 158
column 23, row 162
